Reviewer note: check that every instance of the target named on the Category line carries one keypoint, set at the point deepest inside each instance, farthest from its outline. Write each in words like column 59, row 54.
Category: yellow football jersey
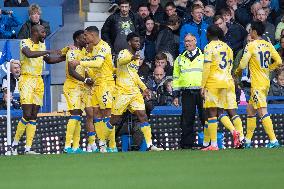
column 218, row 59
column 258, row 55
column 31, row 66
column 102, row 72
column 128, row 80
column 76, row 54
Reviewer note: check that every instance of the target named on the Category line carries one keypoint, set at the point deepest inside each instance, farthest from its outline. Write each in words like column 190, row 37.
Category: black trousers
column 191, row 98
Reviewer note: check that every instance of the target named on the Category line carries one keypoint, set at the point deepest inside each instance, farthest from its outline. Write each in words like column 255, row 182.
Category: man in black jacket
column 15, row 74
column 34, row 15
column 119, row 25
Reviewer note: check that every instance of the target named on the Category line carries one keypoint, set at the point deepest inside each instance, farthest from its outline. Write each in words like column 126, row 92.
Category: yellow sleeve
column 244, row 61
column 205, row 74
column 276, row 58
column 124, row 57
column 64, row 50
column 98, row 60
column 70, row 55
column 176, row 74
column 140, row 83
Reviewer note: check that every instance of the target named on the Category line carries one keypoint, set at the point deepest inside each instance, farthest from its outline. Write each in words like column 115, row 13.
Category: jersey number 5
column 264, row 58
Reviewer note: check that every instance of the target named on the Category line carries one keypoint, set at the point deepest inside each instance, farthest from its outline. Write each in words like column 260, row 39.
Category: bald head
column 159, row 74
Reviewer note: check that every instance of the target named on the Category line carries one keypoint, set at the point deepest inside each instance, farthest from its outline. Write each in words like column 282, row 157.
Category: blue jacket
column 6, row 24
column 198, row 31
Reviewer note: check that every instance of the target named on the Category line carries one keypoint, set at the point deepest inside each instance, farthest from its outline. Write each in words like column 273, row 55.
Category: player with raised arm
column 100, row 69
column 258, row 56
column 74, row 92
column 33, row 53
column 127, row 90
column 216, row 80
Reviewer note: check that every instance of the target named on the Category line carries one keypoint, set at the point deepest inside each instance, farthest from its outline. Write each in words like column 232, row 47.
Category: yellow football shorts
column 74, row 95
column 31, row 89
column 215, row 97
column 132, row 102
column 102, row 96
column 88, row 93
column 231, row 100
column 258, row 98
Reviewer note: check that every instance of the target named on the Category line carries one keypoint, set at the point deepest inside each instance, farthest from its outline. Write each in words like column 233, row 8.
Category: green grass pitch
column 228, row 169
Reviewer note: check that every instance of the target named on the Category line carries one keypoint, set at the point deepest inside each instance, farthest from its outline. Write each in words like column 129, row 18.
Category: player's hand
column 89, row 81
column 74, row 63
column 71, row 47
column 202, row 92
column 175, row 102
column 147, row 94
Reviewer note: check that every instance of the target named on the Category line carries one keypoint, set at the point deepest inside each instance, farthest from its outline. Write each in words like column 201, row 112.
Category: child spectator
column 277, row 86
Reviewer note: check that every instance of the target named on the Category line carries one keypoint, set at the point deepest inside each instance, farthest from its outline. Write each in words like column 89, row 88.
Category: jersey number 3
column 224, row 62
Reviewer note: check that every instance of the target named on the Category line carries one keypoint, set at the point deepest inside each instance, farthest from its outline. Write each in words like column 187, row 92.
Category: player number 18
column 264, row 58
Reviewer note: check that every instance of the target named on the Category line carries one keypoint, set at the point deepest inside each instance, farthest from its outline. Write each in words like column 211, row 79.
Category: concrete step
column 99, row 7
column 95, row 16
column 98, row 24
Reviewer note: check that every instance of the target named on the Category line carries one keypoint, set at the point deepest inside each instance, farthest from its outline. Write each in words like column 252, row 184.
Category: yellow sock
column 99, row 128
column 71, row 125
column 251, row 125
column 76, row 138
column 212, row 127
column 268, row 127
column 238, row 125
column 206, row 138
column 30, row 133
column 225, row 120
column 112, row 142
column 20, row 129
column 146, row 130
column 91, row 138
column 107, row 127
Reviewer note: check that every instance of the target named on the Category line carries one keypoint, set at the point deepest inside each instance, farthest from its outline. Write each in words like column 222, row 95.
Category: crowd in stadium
column 174, row 43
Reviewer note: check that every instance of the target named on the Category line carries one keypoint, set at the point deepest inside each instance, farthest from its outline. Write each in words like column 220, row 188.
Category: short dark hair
column 259, row 27
column 77, row 34
column 195, row 6
column 131, row 36
column 217, row 17
column 124, row 2
column 215, row 31
column 173, row 20
column 161, row 56
column 143, row 5
column 92, row 29
column 225, row 10
column 170, row 3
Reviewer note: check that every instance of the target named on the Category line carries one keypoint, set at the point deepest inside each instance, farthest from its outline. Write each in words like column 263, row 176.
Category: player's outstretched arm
column 54, row 60
column 34, row 54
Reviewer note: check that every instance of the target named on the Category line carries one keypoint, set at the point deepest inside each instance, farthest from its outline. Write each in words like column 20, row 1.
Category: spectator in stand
column 242, row 15
column 161, row 60
column 156, row 11
column 277, row 86
column 14, row 103
column 16, row 3
column 209, row 12
column 182, row 10
column 149, row 42
column 143, row 10
column 118, row 25
column 34, row 15
column 14, row 75
column 281, row 49
column 227, row 14
column 279, row 29
column 197, row 27
column 254, row 8
column 166, row 96
column 7, row 21
column 234, row 34
column 167, row 41
column 269, row 33
column 144, row 70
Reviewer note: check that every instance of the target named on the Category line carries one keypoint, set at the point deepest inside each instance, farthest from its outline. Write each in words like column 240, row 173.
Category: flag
column 6, row 53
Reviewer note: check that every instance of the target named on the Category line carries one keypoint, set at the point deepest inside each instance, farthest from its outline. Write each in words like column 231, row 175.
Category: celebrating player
column 215, row 83
column 258, row 55
column 33, row 53
column 74, row 92
column 127, row 90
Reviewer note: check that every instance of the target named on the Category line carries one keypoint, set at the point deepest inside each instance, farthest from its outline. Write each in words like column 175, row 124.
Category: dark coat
column 276, row 90
column 26, row 29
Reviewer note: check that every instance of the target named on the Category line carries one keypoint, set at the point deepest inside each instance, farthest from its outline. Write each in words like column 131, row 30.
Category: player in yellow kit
column 258, row 55
column 74, row 92
column 32, row 54
column 100, row 69
column 215, row 82
column 127, row 90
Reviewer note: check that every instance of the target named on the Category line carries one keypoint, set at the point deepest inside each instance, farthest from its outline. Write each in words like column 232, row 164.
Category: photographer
column 7, row 21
